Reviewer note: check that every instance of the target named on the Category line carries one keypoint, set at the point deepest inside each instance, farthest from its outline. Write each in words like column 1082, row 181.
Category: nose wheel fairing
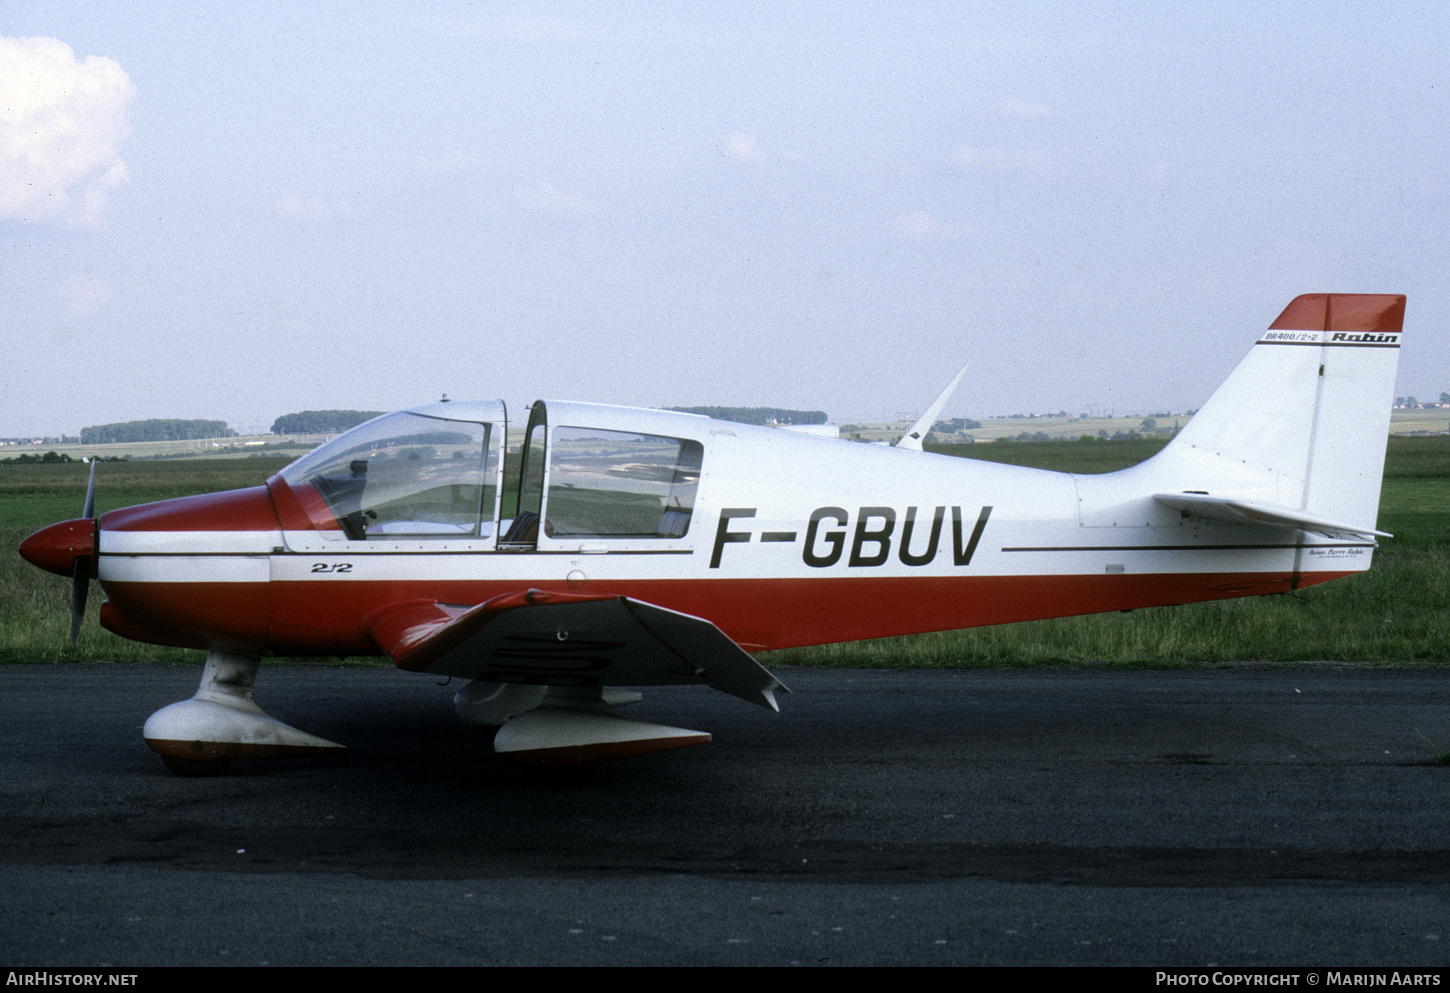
column 221, row 722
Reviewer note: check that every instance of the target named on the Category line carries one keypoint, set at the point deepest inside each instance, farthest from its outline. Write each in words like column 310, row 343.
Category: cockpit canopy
column 439, row 472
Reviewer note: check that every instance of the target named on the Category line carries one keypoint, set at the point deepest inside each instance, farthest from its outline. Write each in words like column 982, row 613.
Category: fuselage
column 777, row 538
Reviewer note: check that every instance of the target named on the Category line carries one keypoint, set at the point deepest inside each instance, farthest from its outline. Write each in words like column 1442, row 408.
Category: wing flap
column 568, row 639
column 1238, row 511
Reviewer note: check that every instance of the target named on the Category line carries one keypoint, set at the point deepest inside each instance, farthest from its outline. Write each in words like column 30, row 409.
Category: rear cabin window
column 615, row 484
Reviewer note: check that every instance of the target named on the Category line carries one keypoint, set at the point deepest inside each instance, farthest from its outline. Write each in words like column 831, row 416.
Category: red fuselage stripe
column 322, row 618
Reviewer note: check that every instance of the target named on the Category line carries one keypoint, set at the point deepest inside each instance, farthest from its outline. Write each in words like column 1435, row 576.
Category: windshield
column 401, row 474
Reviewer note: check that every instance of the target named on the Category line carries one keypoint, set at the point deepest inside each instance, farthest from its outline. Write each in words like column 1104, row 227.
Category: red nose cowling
column 228, row 612
column 152, row 604
column 56, row 548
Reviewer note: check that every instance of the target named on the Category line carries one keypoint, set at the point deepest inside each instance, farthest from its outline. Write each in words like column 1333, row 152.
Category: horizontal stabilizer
column 568, row 639
column 1237, row 511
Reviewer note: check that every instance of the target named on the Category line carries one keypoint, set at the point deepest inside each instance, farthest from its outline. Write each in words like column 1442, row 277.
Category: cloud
column 1000, row 160
column 921, row 226
column 544, row 199
column 1022, row 110
column 61, row 128
column 742, row 147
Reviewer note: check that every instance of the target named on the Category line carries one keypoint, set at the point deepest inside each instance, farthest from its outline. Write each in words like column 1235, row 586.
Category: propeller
column 81, row 574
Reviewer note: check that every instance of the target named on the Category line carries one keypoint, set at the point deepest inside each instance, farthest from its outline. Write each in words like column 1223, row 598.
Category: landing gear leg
column 221, row 722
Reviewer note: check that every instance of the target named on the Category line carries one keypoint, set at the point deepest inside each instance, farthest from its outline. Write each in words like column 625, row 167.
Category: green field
column 1398, row 612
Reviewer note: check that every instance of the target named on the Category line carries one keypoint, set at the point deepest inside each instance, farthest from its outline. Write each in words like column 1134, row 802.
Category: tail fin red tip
column 1382, row 312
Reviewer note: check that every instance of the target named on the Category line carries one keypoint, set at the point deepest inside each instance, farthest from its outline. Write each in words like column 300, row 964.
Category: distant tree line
column 1414, row 402
column 956, row 424
column 28, row 458
column 321, row 421
column 156, row 429
column 758, row 415
column 945, row 431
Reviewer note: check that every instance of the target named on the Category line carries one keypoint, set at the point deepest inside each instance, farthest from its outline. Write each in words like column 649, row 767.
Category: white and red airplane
column 627, row 547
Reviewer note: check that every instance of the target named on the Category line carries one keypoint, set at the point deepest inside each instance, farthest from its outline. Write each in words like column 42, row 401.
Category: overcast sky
column 236, row 211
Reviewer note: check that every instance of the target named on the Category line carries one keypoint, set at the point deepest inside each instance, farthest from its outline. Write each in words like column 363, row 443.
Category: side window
column 615, row 484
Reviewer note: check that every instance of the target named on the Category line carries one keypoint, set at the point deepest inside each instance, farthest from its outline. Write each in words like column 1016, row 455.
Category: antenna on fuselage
column 911, row 441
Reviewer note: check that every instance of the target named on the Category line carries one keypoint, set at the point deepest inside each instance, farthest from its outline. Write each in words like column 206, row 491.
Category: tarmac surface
column 1210, row 817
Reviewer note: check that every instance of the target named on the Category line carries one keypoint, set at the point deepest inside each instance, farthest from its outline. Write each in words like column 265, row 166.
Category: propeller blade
column 80, row 583
column 79, row 589
column 90, row 510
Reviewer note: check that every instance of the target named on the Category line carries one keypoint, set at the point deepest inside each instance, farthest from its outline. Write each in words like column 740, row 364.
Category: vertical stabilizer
column 1303, row 421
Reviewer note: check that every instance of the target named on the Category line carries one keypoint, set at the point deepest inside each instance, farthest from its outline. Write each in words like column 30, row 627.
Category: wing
column 568, row 639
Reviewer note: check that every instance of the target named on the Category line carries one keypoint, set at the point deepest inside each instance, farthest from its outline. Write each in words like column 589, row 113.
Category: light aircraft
column 624, row 547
